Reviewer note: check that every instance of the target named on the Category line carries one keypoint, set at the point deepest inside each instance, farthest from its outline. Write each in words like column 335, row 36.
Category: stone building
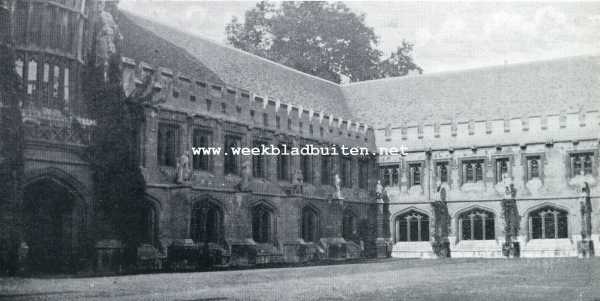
column 249, row 209
column 470, row 133
column 466, row 132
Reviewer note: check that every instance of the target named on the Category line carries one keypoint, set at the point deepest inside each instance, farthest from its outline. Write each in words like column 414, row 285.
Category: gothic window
column 389, row 175
column 310, row 224
column 21, row 15
column 305, row 163
column 477, row 224
column 231, row 161
column 501, row 168
column 168, row 144
column 289, row 124
column 19, row 67
column 533, row 167
column 412, row 226
column 265, row 119
column 201, row 138
column 441, row 169
column 325, row 170
column 363, row 174
column 346, row 171
column 472, row 171
column 349, row 227
column 46, row 75
column 415, row 174
column 66, row 85
column 206, row 222
column 582, row 163
column 148, row 226
column 277, row 122
column 548, row 223
column 262, row 224
column 55, row 81
column 283, row 165
column 32, row 69
column 259, row 162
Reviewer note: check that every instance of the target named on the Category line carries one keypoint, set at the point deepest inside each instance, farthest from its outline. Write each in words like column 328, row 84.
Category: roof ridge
column 226, row 46
column 474, row 69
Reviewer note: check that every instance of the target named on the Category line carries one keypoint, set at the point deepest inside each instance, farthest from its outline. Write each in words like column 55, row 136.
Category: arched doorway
column 310, row 224
column 262, row 224
column 349, row 225
column 207, row 222
column 50, row 226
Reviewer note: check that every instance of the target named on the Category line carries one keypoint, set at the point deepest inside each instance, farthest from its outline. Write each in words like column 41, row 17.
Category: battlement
column 191, row 96
column 564, row 126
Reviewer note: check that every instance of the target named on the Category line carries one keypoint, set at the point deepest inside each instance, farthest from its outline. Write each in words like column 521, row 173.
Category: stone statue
column 246, row 174
column 108, row 35
column 338, row 187
column 379, row 190
column 586, row 212
column 184, row 168
column 298, row 181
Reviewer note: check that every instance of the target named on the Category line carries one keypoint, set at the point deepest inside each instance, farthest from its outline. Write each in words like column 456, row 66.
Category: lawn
column 390, row 279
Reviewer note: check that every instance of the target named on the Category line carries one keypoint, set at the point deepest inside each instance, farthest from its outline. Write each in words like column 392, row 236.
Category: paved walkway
column 454, row 279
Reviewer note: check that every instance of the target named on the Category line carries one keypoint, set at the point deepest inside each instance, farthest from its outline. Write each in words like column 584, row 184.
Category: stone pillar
column 380, row 242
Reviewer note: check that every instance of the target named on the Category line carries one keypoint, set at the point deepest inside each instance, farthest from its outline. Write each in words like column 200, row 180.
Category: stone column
column 380, row 242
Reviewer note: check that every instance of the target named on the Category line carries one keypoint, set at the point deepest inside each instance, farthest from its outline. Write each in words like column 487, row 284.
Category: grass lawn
column 390, row 279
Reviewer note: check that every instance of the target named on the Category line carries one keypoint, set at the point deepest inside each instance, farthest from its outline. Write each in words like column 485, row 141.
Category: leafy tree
column 325, row 39
column 12, row 161
column 113, row 155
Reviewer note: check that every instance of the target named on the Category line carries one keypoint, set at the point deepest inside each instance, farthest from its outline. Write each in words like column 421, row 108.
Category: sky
column 447, row 35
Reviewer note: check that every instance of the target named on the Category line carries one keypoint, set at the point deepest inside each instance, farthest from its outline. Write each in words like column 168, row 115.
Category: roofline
column 227, row 46
column 475, row 69
column 279, row 65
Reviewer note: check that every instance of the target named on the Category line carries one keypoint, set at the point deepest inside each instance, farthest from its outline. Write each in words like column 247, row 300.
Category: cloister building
column 536, row 123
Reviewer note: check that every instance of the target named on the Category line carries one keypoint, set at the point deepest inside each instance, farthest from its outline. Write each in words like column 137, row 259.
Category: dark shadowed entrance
column 49, row 226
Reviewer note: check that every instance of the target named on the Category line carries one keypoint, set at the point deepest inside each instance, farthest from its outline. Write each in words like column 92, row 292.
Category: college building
column 467, row 134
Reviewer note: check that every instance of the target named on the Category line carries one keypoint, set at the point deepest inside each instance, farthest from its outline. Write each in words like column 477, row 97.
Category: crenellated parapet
column 198, row 97
column 582, row 124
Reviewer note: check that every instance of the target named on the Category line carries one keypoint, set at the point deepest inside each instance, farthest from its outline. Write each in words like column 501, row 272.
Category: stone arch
column 310, row 227
column 350, row 222
column 555, row 226
column 60, row 177
column 56, row 217
column 207, row 217
column 413, row 229
column 263, row 217
column 482, row 226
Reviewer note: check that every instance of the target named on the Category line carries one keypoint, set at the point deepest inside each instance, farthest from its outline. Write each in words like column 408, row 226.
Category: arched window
column 412, row 226
column 349, row 229
column 32, row 69
column 148, row 226
column 310, row 224
column 19, row 67
column 207, row 222
column 477, row 224
column 262, row 224
column 548, row 223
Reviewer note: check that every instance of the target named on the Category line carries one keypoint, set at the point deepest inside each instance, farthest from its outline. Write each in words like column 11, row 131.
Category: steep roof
column 143, row 45
column 516, row 90
column 234, row 67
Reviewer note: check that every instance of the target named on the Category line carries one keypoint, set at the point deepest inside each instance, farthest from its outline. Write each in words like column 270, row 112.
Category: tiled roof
column 554, row 86
column 143, row 45
column 234, row 67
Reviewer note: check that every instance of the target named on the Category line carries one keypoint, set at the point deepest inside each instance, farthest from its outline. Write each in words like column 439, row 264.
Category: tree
column 113, row 155
column 320, row 38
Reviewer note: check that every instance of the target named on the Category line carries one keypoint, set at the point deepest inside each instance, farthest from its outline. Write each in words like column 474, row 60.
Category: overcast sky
column 447, row 36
